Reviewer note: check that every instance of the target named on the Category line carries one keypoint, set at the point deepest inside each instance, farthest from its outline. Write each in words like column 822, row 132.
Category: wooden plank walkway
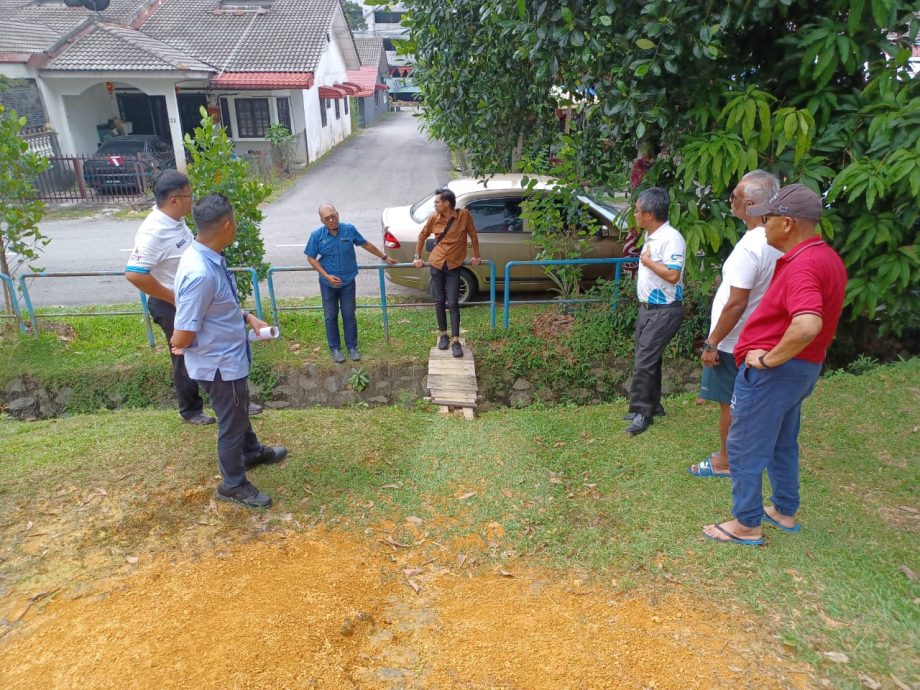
column 452, row 380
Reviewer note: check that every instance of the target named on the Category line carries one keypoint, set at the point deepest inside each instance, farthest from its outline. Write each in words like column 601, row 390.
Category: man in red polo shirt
column 779, row 355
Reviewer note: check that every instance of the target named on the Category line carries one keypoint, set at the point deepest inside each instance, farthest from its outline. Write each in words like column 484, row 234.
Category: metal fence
column 33, row 315
column 383, row 305
column 14, row 301
column 95, row 179
column 618, row 263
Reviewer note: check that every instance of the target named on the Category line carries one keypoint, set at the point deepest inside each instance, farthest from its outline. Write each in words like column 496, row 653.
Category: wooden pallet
column 452, row 380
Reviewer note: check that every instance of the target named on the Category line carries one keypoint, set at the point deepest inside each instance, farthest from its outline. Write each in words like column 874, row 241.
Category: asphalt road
column 391, row 163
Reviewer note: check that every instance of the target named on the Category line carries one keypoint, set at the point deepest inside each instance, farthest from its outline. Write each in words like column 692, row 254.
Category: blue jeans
column 766, row 415
column 335, row 299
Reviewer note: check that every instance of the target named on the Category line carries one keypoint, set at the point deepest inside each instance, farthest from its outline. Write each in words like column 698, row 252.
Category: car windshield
column 112, row 147
column 422, row 209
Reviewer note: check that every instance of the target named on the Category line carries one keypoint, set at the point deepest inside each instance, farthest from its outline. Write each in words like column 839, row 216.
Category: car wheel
column 469, row 286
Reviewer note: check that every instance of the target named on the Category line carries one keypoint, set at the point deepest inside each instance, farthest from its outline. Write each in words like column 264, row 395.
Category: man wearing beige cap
column 779, row 355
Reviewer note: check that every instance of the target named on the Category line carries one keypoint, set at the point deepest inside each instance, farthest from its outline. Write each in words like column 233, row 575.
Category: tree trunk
column 517, row 153
column 5, row 268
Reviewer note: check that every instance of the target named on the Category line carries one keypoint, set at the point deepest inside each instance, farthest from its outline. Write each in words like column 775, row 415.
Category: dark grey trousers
column 445, row 288
column 190, row 402
column 235, row 438
column 654, row 330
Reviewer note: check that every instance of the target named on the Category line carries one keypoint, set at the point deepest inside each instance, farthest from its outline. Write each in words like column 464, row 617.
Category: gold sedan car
column 495, row 206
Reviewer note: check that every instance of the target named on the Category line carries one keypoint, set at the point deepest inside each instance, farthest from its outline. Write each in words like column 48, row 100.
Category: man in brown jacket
column 450, row 228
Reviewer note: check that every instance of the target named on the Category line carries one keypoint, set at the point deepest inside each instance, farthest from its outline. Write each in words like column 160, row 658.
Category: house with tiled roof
column 149, row 66
column 370, row 77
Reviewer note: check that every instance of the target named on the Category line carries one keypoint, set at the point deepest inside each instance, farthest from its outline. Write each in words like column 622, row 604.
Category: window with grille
column 346, row 104
column 284, row 112
column 338, row 113
column 252, row 117
column 322, row 111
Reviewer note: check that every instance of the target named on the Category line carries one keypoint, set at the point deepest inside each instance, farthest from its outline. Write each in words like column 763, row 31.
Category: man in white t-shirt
column 746, row 275
column 660, row 289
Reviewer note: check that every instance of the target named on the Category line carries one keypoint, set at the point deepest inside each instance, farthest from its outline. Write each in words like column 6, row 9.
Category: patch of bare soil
column 322, row 609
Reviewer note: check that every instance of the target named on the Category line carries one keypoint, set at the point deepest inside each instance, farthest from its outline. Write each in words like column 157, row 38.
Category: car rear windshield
column 112, row 146
column 422, row 209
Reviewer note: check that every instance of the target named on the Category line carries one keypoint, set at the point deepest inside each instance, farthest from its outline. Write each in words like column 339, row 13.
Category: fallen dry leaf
column 504, row 573
column 413, row 585
column 837, row 657
column 908, row 509
column 412, row 572
column 559, row 444
column 868, row 682
column 507, row 493
column 414, row 520
column 461, row 559
column 390, row 486
column 132, row 559
column 910, row 574
column 468, row 494
column 555, row 480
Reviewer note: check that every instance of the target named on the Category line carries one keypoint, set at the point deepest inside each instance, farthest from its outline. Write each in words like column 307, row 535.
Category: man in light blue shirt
column 331, row 251
column 210, row 331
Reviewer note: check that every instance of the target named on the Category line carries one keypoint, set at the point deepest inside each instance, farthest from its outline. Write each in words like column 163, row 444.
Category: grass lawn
column 560, row 487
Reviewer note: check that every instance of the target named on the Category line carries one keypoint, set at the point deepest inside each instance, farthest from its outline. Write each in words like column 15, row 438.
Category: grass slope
column 560, row 485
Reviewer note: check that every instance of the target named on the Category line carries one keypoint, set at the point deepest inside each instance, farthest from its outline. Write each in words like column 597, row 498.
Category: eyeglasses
column 331, row 216
column 733, row 196
column 764, row 219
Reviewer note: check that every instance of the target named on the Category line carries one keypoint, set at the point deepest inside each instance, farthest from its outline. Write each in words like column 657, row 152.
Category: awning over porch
column 331, row 92
column 263, row 80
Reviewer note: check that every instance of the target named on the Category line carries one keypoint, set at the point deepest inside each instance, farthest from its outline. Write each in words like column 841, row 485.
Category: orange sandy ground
column 327, row 610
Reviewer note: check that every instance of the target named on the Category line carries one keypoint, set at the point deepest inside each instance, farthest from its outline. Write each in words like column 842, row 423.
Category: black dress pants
column 236, row 440
column 190, row 402
column 655, row 327
column 445, row 289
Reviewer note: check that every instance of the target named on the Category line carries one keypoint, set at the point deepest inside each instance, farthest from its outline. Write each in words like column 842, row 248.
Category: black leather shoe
column 443, row 342
column 255, row 409
column 269, row 455
column 639, row 424
column 659, row 412
column 456, row 350
column 245, row 495
column 200, row 419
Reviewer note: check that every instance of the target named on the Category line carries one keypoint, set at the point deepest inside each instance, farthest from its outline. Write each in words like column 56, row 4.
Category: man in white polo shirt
column 746, row 276
column 660, row 289
column 158, row 245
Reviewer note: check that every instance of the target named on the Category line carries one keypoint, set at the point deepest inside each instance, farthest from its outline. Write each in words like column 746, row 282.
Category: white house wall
column 331, row 70
column 78, row 102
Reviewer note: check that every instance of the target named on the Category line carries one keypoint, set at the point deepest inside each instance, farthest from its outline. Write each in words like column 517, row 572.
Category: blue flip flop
column 704, row 469
column 732, row 539
column 796, row 528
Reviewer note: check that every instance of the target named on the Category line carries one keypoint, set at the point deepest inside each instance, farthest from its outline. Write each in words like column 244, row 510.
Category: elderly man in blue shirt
column 331, row 251
column 210, row 331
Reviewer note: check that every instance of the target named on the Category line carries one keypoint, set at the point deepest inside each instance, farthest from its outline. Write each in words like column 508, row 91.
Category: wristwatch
column 708, row 346
column 762, row 362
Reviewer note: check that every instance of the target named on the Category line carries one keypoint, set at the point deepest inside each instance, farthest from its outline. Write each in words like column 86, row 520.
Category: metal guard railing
column 383, row 305
column 618, row 263
column 14, row 300
column 145, row 312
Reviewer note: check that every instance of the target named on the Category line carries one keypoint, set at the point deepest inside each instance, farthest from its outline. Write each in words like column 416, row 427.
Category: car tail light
column 116, row 160
column 389, row 241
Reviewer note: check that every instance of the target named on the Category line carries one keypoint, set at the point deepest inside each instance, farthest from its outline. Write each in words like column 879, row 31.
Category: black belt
column 671, row 305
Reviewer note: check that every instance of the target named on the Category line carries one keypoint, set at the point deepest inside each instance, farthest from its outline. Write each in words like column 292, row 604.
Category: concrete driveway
column 390, row 163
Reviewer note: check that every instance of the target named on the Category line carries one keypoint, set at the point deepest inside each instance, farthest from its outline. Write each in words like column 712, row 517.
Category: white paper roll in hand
column 267, row 333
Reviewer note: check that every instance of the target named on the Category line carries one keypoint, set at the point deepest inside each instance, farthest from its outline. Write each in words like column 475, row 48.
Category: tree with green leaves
column 354, row 15
column 20, row 210
column 215, row 169
column 817, row 91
